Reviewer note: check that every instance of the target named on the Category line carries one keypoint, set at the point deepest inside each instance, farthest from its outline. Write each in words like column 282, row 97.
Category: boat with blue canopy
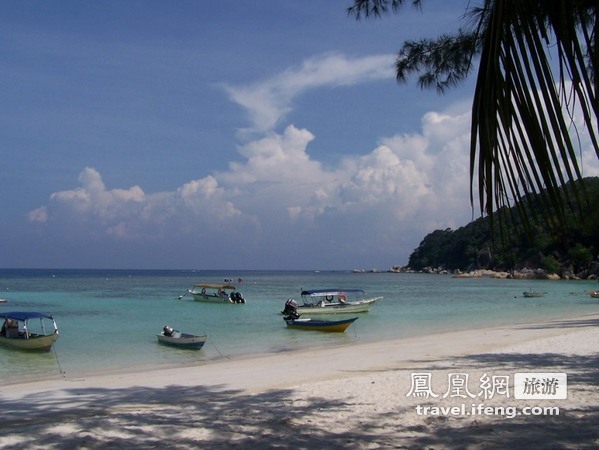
column 335, row 301
column 20, row 330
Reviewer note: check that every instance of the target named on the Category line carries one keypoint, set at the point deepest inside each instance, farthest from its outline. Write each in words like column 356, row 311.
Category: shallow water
column 108, row 320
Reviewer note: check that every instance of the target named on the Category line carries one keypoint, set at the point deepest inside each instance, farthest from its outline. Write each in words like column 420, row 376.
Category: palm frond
column 377, row 8
column 522, row 128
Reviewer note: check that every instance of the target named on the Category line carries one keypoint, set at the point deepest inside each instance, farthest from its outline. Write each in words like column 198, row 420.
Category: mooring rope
column 218, row 351
column 62, row 372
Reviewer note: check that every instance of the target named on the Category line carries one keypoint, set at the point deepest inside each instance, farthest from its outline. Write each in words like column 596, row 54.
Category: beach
column 358, row 396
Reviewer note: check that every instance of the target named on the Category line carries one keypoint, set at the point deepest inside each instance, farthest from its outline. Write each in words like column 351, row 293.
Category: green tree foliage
column 580, row 256
column 468, row 247
column 537, row 69
column 551, row 265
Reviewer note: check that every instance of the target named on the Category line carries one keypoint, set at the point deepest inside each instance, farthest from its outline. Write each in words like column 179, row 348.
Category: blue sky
column 231, row 134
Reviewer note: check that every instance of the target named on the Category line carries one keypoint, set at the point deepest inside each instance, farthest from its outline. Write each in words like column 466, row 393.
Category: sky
column 235, row 134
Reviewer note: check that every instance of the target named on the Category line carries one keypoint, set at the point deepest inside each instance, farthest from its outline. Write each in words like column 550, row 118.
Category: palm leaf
column 521, row 127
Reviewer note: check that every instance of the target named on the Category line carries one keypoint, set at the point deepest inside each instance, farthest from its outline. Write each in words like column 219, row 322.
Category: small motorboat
column 320, row 324
column 595, row 294
column 533, row 294
column 20, row 332
column 335, row 301
column 215, row 293
column 175, row 338
column 293, row 320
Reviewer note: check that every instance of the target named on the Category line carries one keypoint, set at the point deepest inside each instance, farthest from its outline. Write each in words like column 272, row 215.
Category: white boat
column 216, row 293
column 175, row 338
column 335, row 301
column 19, row 331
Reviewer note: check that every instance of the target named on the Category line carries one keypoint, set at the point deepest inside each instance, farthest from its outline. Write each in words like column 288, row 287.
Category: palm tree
column 537, row 69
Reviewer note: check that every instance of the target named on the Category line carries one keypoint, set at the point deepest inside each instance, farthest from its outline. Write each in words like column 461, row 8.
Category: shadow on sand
column 198, row 417
column 173, row 417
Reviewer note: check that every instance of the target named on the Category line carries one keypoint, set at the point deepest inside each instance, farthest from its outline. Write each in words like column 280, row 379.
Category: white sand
column 348, row 397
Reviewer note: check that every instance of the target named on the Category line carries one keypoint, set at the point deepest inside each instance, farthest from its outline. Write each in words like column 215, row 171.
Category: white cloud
column 268, row 101
column 279, row 197
column 275, row 158
column 38, row 215
column 91, row 198
column 280, row 205
column 279, row 201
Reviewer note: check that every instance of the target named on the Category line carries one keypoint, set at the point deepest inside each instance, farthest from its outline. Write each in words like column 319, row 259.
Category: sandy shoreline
column 351, row 397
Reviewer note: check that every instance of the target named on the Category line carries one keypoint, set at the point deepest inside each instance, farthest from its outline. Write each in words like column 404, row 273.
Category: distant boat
column 216, row 293
column 3, row 300
column 320, row 324
column 335, row 301
column 175, row 338
column 20, row 333
column 595, row 294
column 532, row 294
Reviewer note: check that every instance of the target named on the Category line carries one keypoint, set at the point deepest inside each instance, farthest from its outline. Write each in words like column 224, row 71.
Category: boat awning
column 215, row 286
column 24, row 315
column 326, row 292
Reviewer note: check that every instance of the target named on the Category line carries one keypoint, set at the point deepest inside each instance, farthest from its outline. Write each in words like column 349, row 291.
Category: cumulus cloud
column 278, row 200
column 91, row 198
column 132, row 214
column 279, row 197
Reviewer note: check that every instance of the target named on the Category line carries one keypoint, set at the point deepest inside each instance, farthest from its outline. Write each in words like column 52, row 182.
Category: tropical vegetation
column 472, row 247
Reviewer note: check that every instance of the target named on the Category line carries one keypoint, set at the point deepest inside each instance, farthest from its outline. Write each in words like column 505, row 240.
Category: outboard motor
column 290, row 310
column 167, row 331
column 237, row 297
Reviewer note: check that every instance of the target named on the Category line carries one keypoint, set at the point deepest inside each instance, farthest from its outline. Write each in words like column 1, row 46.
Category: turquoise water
column 108, row 320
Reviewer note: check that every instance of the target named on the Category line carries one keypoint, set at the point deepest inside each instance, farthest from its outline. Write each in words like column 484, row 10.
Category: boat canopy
column 327, row 292
column 23, row 316
column 215, row 286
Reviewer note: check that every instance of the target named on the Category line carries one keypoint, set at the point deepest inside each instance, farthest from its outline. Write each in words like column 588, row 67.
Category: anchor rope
column 218, row 351
column 62, row 372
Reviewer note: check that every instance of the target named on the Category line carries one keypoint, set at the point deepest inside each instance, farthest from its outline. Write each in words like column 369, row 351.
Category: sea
column 108, row 319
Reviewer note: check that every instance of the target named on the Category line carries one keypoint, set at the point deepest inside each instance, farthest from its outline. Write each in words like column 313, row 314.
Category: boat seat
column 12, row 332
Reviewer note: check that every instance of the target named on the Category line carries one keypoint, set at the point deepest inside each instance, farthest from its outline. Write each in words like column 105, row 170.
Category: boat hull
column 207, row 298
column 335, row 326
column 40, row 343
column 338, row 308
column 531, row 294
column 216, row 293
column 183, row 340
